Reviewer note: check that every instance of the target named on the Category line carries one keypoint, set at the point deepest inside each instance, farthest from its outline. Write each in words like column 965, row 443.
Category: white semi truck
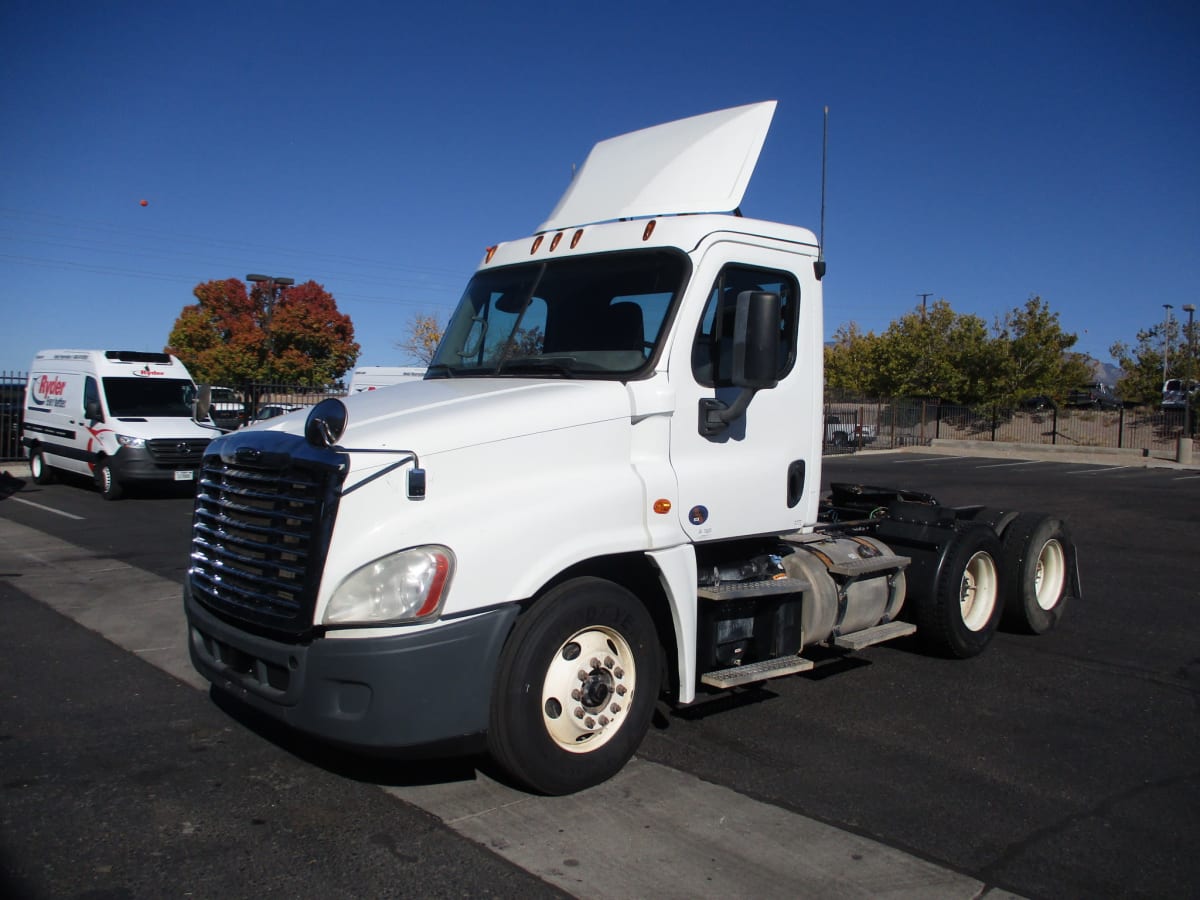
column 605, row 493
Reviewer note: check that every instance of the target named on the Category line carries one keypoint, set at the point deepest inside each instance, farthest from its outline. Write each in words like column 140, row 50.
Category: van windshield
column 146, row 397
column 601, row 316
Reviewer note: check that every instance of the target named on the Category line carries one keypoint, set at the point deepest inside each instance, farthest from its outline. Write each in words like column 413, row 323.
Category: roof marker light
column 537, row 242
column 575, row 238
column 491, row 251
column 649, row 230
column 554, row 242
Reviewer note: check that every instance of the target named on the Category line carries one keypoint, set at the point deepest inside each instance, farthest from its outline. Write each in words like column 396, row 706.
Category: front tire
column 1038, row 559
column 959, row 618
column 575, row 688
column 41, row 472
column 106, row 481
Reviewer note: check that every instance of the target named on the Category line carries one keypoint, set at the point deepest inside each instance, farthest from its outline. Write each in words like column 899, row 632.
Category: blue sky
column 980, row 151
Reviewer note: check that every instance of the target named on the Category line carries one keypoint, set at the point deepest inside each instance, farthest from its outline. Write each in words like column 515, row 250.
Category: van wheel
column 575, row 688
column 42, row 473
column 1036, row 572
column 106, row 481
column 961, row 615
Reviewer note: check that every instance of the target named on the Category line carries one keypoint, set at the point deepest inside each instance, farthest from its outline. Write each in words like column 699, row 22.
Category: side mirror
column 92, row 410
column 203, row 403
column 756, row 340
column 755, row 359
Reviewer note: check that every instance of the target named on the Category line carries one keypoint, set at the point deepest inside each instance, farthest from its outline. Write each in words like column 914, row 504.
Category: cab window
column 712, row 352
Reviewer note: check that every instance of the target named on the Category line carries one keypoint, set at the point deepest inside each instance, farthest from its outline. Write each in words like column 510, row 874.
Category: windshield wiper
column 558, row 365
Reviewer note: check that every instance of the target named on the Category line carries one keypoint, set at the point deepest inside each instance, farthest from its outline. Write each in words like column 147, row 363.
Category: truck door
column 749, row 478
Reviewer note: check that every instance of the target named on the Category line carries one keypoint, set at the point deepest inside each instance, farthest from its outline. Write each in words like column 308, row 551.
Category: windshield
column 146, row 397
column 598, row 316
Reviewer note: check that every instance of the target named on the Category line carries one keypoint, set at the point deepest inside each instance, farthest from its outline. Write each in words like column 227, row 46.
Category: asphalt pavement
column 1055, row 766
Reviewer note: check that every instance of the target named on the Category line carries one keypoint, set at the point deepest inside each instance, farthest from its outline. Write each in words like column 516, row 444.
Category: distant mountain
column 1106, row 373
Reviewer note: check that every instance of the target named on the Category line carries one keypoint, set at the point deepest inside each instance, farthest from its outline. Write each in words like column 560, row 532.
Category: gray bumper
column 371, row 693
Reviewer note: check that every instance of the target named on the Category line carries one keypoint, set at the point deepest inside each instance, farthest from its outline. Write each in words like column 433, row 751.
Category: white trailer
column 372, row 378
column 605, row 492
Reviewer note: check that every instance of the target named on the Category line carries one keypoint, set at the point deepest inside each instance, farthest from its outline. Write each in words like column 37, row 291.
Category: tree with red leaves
column 282, row 335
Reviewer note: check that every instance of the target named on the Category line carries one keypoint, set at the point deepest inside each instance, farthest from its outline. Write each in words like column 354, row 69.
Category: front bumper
column 372, row 693
column 131, row 465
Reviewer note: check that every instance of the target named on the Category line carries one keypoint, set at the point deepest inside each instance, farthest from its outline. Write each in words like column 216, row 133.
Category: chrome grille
column 177, row 452
column 260, row 532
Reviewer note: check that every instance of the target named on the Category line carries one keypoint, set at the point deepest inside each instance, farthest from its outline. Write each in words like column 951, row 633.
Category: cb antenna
column 819, row 265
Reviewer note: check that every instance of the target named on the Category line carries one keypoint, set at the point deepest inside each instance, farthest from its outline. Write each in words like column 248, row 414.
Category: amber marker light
column 491, row 251
column 575, row 238
column 554, row 242
column 662, row 507
column 537, row 242
column 649, row 230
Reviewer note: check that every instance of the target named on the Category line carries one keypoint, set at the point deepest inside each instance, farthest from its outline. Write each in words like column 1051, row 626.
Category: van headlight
column 133, row 443
column 402, row 587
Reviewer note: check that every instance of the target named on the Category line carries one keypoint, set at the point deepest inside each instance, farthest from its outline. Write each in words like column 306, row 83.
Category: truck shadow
column 454, row 761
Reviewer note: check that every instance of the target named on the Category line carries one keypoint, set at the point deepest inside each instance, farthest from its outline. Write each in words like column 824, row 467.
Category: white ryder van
column 120, row 416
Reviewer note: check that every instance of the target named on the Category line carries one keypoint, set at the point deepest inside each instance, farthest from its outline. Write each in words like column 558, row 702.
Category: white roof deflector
column 697, row 165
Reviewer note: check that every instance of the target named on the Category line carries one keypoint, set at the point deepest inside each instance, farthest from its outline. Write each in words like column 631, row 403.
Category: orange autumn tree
column 293, row 336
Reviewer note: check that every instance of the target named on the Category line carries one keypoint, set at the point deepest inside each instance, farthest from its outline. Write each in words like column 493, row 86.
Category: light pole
column 274, row 290
column 1189, row 373
column 1166, row 338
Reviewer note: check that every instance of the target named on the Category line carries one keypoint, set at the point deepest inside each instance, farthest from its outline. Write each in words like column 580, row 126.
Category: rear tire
column 575, row 688
column 106, row 481
column 1038, row 559
column 960, row 616
column 38, row 468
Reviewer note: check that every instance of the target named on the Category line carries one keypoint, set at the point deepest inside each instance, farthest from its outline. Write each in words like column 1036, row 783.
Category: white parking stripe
column 1024, row 462
column 650, row 831
column 1094, row 471
column 925, row 459
column 50, row 509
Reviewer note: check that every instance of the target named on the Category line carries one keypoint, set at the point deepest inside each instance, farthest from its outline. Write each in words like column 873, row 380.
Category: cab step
column 739, row 590
column 759, row 671
column 877, row 635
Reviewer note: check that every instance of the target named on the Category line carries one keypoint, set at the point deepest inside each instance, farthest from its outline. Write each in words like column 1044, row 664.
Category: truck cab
column 605, row 487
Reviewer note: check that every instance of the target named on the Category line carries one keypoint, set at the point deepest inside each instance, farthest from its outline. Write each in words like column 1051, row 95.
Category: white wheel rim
column 1050, row 574
column 977, row 592
column 588, row 688
column 35, row 465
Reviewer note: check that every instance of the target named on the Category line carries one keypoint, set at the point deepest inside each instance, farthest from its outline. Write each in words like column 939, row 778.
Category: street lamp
column 1166, row 338
column 274, row 290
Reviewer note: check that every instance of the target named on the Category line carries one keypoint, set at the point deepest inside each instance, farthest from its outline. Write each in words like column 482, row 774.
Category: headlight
column 403, row 587
column 133, row 443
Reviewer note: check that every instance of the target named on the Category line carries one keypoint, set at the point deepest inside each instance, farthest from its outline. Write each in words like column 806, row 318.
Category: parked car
column 273, row 410
column 1095, row 395
column 1175, row 395
column 842, row 434
column 227, row 411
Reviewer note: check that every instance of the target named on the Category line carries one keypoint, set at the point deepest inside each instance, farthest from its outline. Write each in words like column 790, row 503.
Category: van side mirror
column 203, row 404
column 755, row 358
column 92, row 410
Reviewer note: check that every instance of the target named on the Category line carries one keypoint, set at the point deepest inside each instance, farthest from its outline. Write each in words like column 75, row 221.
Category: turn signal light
column 662, row 507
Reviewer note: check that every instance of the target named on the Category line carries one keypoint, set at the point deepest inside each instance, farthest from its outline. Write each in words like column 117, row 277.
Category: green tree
column 1031, row 355
column 1141, row 365
column 232, row 336
column 936, row 353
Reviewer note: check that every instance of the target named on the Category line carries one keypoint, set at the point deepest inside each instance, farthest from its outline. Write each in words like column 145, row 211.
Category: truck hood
column 440, row 415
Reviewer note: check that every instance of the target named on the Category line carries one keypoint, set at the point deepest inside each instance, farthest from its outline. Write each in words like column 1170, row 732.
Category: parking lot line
column 1024, row 462
column 923, row 459
column 1094, row 471
column 50, row 509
